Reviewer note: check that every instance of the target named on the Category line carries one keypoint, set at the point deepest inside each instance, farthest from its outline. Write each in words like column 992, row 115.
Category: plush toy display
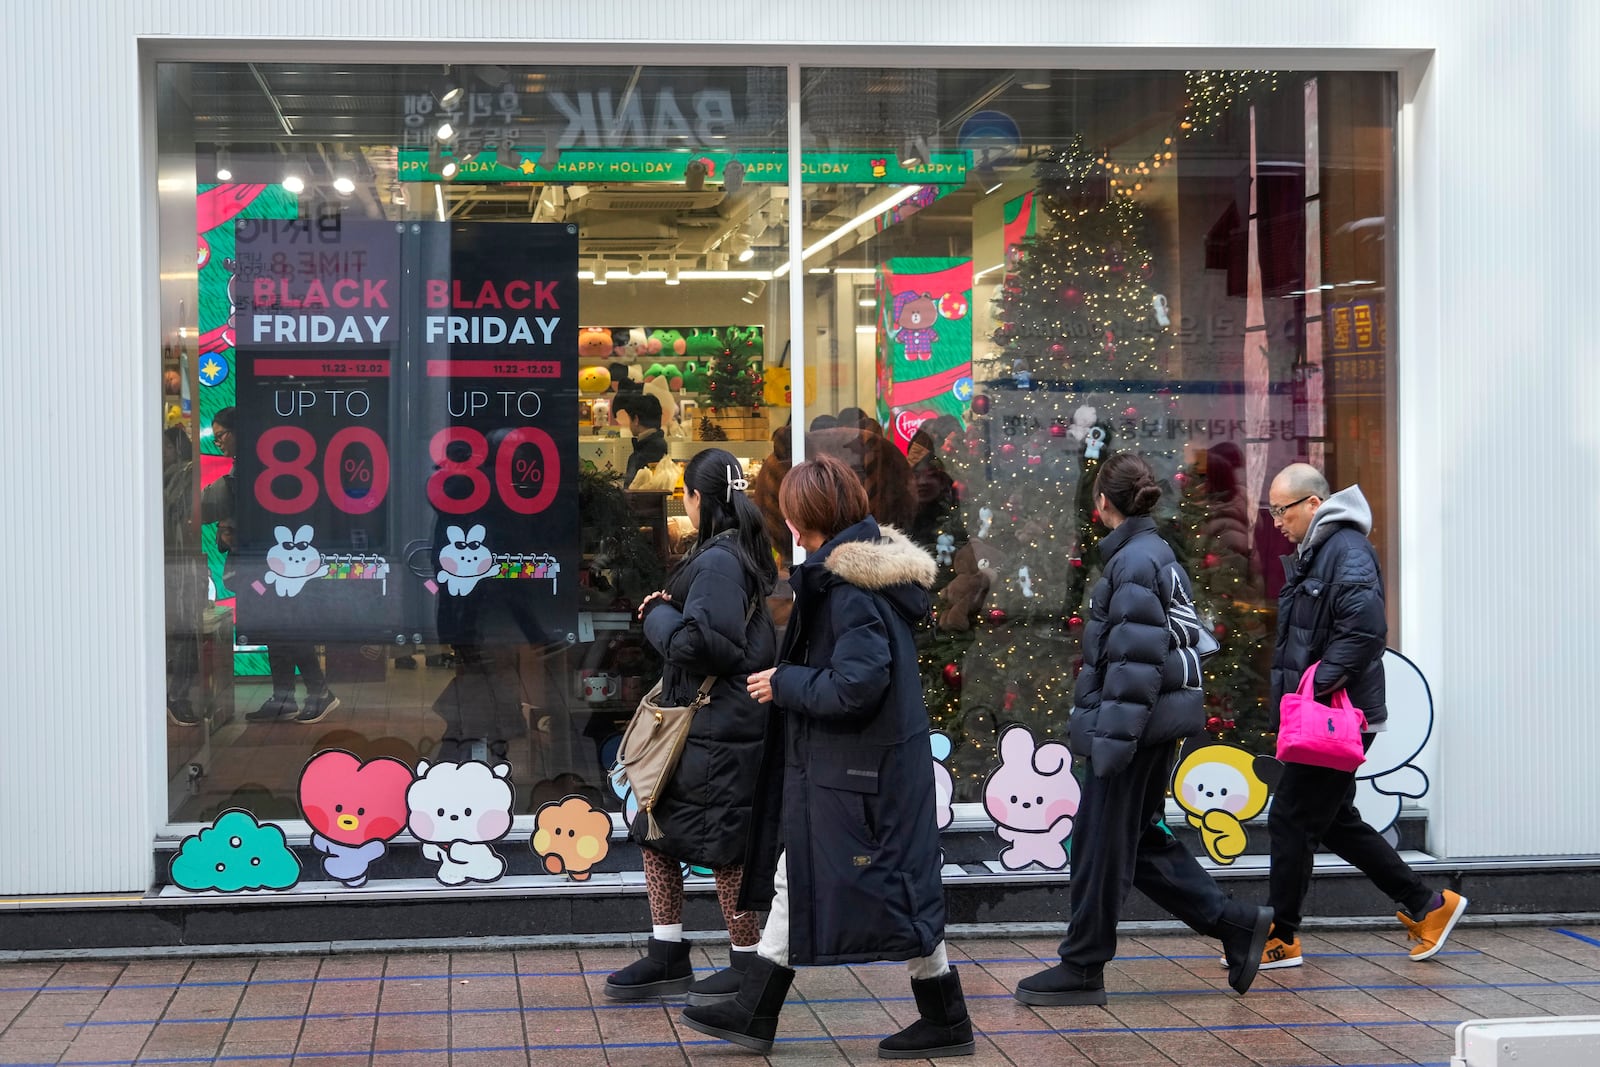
column 976, row 567
column 593, row 380
column 671, row 342
column 594, row 342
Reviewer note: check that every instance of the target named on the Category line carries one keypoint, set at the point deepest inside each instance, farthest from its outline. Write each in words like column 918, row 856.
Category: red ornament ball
column 1057, row 430
column 1228, row 724
column 1214, row 723
column 980, row 404
column 953, row 306
column 1220, row 630
column 1130, row 411
column 1035, row 460
column 952, row 676
column 1077, row 561
column 997, row 615
column 1058, row 350
column 1075, row 622
column 1072, row 295
column 1011, row 701
column 1008, row 449
column 1181, row 478
column 1211, row 559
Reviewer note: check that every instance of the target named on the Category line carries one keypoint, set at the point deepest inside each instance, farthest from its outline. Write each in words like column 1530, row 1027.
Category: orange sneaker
column 1433, row 929
column 1277, row 955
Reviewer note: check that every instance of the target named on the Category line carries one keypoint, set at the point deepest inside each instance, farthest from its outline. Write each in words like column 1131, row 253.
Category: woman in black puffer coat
column 1137, row 695
column 710, row 621
column 846, row 846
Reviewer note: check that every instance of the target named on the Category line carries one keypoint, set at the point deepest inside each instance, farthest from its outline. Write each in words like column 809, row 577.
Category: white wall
column 1498, row 438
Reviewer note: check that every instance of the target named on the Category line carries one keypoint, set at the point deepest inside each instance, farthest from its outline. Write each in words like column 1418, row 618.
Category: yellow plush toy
column 593, row 380
column 775, row 387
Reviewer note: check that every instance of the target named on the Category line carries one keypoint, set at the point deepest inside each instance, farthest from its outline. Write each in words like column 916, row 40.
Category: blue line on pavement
column 1577, row 936
column 806, row 1039
column 223, row 983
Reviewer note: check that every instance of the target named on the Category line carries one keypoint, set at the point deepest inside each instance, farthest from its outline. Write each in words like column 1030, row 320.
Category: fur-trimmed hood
column 892, row 559
column 882, row 560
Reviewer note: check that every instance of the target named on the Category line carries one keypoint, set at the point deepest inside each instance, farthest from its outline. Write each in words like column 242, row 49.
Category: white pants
column 774, row 944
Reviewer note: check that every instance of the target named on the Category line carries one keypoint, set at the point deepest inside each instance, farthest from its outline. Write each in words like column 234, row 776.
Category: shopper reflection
column 640, row 415
column 184, row 574
column 284, row 658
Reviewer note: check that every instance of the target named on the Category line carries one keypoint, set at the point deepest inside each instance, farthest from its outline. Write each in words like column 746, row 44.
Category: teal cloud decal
column 233, row 855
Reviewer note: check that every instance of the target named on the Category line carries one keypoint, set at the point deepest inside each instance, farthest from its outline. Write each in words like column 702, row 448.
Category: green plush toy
column 672, row 342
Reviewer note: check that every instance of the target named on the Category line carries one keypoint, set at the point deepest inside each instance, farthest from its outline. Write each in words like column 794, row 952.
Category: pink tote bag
column 1323, row 735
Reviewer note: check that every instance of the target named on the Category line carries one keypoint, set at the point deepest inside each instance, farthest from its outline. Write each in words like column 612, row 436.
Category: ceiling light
column 914, row 153
column 445, row 133
column 893, row 200
column 294, row 183
column 672, row 272
column 1035, row 80
column 398, row 197
column 552, row 151
column 344, row 185
column 451, row 97
column 224, row 165
column 732, row 176
column 717, row 260
column 438, row 201
column 449, row 169
column 694, row 176
column 753, row 293
column 600, row 270
column 507, row 156
column 867, row 301
column 633, row 268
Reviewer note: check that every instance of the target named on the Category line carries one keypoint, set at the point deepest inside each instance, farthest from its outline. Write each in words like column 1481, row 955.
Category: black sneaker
column 317, row 708
column 182, row 713
column 276, row 707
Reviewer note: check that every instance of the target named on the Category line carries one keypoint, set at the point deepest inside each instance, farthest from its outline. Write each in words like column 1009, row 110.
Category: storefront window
column 414, row 488
column 404, row 518
column 1012, row 276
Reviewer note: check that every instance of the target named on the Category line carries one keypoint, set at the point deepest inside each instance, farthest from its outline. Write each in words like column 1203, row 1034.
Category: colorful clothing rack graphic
column 535, row 566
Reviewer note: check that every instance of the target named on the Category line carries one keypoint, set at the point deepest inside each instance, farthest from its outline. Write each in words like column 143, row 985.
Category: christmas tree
column 1076, row 372
column 732, row 380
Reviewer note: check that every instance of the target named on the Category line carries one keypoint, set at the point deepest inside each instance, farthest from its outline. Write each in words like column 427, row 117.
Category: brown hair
column 1126, row 481
column 822, row 496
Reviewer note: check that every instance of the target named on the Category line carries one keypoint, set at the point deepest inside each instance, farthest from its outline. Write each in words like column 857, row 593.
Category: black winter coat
column 847, row 784
column 705, row 811
column 1331, row 609
column 1140, row 683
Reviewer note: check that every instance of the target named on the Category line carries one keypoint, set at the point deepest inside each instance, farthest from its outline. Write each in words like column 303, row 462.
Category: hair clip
column 734, row 482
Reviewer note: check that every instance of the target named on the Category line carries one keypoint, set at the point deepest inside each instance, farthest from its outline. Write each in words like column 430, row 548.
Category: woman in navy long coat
column 847, row 779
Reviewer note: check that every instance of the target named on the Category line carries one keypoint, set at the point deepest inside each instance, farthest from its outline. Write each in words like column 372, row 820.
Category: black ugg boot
column 750, row 1019
column 943, row 1029
column 1244, row 936
column 1063, row 985
column 663, row 971
column 724, row 984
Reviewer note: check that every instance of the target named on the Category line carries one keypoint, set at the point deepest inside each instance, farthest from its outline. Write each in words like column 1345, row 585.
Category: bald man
column 1331, row 613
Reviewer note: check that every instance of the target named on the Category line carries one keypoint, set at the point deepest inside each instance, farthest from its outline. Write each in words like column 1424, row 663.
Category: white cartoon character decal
column 465, row 560
column 1220, row 788
column 293, row 560
column 457, row 811
column 1032, row 798
column 1388, row 776
column 944, row 788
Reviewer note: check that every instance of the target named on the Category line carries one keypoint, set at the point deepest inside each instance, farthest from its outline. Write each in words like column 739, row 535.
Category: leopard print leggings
column 663, row 882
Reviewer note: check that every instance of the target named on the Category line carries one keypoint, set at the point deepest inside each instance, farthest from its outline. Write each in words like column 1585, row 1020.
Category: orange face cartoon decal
column 572, row 836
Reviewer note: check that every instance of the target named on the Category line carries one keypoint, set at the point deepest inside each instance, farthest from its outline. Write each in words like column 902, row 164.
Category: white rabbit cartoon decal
column 465, row 560
column 293, row 560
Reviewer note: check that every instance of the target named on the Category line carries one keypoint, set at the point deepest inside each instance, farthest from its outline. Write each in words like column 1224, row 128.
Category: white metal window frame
column 1416, row 229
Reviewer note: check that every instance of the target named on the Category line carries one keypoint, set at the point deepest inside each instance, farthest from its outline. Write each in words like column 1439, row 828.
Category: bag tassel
column 652, row 829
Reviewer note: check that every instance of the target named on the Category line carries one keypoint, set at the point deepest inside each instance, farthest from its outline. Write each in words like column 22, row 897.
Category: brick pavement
column 1358, row 1000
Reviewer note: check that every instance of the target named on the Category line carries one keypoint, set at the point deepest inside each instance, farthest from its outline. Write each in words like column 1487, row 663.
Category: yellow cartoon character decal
column 1222, row 787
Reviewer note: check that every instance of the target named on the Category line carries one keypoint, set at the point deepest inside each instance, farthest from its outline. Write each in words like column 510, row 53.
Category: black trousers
column 1315, row 806
column 1120, row 840
column 282, row 659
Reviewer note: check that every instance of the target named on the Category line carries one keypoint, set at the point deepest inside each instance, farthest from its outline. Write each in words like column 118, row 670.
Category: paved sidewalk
column 1358, row 1000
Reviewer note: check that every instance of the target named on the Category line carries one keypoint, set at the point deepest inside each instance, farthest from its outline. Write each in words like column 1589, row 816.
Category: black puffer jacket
column 847, row 785
column 705, row 811
column 1140, row 683
column 1331, row 609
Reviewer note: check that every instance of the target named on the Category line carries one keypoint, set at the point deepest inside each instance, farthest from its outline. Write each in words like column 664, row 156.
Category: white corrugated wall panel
column 1498, row 440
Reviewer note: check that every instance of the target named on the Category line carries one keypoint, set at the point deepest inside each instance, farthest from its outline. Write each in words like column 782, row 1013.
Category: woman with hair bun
column 1136, row 697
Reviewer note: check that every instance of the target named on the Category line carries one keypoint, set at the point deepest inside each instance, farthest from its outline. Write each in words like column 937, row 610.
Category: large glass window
column 404, row 516
column 1009, row 276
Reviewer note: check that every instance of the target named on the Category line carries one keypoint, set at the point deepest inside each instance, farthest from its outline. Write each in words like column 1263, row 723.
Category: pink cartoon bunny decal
column 293, row 560
column 1032, row 798
column 465, row 560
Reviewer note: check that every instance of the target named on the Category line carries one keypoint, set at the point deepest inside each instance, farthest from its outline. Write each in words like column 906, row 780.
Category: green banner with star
column 599, row 165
